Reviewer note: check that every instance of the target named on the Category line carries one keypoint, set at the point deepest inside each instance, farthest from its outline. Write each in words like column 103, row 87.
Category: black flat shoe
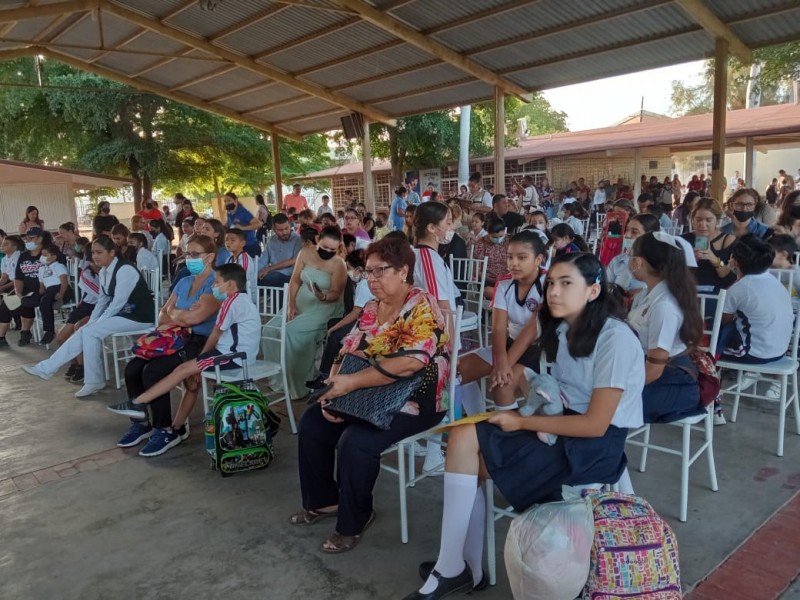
column 426, row 567
column 316, row 384
column 446, row 586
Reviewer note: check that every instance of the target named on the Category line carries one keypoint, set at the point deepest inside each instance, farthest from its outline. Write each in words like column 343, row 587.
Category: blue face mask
column 217, row 294
column 499, row 240
column 195, row 266
column 30, row 246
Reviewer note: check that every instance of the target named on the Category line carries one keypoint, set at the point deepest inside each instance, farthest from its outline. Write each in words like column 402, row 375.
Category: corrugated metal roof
column 328, row 61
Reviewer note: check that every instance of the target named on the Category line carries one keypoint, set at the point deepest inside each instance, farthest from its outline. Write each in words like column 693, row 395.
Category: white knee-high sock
column 434, row 455
column 473, row 545
column 459, row 498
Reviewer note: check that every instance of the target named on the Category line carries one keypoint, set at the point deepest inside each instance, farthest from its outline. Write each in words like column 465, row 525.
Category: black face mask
column 230, row 207
column 743, row 216
column 794, row 211
column 105, row 210
column 325, row 254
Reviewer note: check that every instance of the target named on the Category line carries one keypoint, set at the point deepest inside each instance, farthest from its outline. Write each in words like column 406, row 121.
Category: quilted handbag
column 376, row 405
column 164, row 341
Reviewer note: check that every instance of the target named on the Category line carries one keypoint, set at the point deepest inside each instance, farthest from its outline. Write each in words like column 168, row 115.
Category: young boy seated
column 238, row 329
column 53, row 286
column 785, row 247
column 145, row 260
column 235, row 242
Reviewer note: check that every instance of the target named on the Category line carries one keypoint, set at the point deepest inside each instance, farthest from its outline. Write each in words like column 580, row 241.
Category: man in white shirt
column 527, row 191
column 733, row 181
column 478, row 199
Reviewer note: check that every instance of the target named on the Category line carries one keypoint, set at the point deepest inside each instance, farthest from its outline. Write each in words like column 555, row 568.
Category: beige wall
column 564, row 169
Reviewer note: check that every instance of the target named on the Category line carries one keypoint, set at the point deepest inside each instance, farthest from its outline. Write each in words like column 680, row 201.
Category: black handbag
column 376, row 405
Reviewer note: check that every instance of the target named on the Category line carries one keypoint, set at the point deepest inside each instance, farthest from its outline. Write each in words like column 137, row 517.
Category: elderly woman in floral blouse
column 401, row 317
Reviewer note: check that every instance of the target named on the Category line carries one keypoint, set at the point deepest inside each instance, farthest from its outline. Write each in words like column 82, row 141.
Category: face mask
column 499, row 240
column 43, row 260
column 30, row 246
column 105, row 210
column 743, row 215
column 354, row 276
column 77, row 248
column 217, row 294
column 195, row 266
column 230, row 207
column 540, row 226
column 627, row 244
column 448, row 237
column 325, row 254
column 794, row 211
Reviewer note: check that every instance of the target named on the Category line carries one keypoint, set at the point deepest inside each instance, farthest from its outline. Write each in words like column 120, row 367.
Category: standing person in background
column 31, row 220
column 398, row 208
column 264, row 217
column 104, row 221
column 277, row 262
column 150, row 211
column 325, row 207
column 185, row 211
column 527, row 191
column 413, row 196
column 295, row 200
column 241, row 218
column 478, row 200
column 169, row 217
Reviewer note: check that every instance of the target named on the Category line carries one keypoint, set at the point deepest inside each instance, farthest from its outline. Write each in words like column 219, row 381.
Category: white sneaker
column 88, row 389
column 773, row 393
column 419, row 449
column 719, row 418
column 434, row 465
column 36, row 371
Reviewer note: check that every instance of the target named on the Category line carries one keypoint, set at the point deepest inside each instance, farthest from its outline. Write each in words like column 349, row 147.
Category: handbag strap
column 398, row 354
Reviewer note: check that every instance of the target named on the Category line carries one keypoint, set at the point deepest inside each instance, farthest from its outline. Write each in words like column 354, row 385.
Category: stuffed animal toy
column 543, row 399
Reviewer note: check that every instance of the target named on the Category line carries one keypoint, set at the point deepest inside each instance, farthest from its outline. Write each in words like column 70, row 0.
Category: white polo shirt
column 506, row 298
column 618, row 271
column 657, row 320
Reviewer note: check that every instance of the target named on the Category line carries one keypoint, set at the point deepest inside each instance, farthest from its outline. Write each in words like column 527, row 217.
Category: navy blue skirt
column 675, row 395
column 527, row 471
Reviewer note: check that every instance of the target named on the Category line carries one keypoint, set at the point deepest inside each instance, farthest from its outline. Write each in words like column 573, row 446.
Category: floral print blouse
column 420, row 325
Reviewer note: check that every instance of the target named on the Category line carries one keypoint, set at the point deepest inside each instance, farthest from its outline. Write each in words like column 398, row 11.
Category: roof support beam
column 166, row 93
column 204, row 78
column 48, row 10
column 420, row 40
column 17, row 53
column 703, row 16
column 247, row 22
column 242, row 91
column 248, row 63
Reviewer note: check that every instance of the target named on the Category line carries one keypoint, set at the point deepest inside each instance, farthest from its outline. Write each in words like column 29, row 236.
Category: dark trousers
column 332, row 346
column 46, row 306
column 141, row 375
column 673, row 396
column 356, row 449
column 275, row 279
column 27, row 311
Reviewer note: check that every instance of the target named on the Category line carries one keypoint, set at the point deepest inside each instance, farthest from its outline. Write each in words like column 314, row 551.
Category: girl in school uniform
column 12, row 247
column 162, row 242
column 517, row 298
column 619, row 272
column 667, row 320
column 599, row 366
column 565, row 241
column 53, row 286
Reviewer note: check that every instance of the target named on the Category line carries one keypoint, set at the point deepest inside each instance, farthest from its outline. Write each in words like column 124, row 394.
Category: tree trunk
column 218, row 212
column 133, row 167
column 147, row 187
column 395, row 157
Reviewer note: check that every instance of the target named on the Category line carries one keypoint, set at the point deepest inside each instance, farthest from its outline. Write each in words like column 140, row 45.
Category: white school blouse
column 657, row 320
column 506, row 298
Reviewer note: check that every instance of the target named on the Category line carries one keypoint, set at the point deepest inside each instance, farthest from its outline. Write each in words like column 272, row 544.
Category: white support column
column 499, row 142
column 366, row 157
column 637, row 173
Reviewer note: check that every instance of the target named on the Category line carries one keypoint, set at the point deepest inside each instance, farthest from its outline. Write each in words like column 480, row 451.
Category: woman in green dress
column 315, row 296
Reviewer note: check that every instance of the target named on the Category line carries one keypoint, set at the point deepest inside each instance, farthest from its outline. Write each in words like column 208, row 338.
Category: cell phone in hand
column 701, row 242
column 315, row 288
column 314, row 396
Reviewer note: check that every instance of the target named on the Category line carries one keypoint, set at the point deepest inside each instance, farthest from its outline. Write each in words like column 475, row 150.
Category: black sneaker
column 78, row 376
column 129, row 409
column 3, row 344
column 47, row 338
column 25, row 338
column 70, row 372
column 317, row 383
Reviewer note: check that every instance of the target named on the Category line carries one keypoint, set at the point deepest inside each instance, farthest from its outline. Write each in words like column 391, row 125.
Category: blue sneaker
column 136, row 434
column 161, row 441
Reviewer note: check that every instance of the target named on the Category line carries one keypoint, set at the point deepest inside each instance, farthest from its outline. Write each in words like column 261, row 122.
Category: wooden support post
column 499, row 142
column 720, row 110
column 749, row 162
column 366, row 157
column 276, row 166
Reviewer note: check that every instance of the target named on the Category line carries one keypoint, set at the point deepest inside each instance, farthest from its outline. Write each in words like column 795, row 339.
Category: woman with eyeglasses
column 191, row 304
column 353, row 226
column 745, row 203
column 401, row 317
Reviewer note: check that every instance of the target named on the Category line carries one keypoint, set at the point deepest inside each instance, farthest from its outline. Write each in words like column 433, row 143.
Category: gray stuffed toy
column 543, row 399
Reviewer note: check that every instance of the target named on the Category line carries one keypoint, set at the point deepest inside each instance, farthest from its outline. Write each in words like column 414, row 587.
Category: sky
column 603, row 102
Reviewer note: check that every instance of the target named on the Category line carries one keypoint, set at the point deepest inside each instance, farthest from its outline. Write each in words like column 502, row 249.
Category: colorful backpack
column 240, row 429
column 166, row 340
column 635, row 552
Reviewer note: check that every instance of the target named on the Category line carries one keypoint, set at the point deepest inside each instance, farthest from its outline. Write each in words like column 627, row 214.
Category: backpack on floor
column 241, row 428
column 635, row 552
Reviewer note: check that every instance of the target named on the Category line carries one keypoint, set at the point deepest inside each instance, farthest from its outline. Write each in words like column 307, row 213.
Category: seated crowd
column 616, row 325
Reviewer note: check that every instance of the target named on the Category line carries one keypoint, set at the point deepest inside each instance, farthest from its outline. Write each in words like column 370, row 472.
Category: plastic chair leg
column 712, row 468
column 401, row 480
column 645, row 441
column 782, row 414
column 685, row 452
column 290, row 412
column 796, row 400
column 491, row 550
column 736, row 397
column 115, row 357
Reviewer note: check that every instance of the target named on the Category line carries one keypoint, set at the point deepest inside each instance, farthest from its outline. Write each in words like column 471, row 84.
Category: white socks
column 459, row 499
column 513, row 406
column 473, row 546
column 471, row 398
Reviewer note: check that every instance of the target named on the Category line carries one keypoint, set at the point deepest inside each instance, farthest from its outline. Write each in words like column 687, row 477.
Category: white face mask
column 448, row 237
column 43, row 260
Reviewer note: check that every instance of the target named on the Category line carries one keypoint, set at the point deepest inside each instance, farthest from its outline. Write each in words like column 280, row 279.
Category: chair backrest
column 677, row 230
column 73, row 268
column 795, row 336
column 453, row 325
column 252, row 279
column 276, row 335
column 270, row 300
column 471, row 274
column 711, row 307
column 153, row 279
column 786, row 277
column 601, row 219
column 585, row 223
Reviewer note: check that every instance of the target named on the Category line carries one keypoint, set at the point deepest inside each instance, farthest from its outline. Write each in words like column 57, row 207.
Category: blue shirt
column 398, row 220
column 222, row 256
column 242, row 217
column 278, row 250
column 757, row 228
column 185, row 302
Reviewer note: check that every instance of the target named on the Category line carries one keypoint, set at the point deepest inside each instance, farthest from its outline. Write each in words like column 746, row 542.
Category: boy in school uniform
column 238, row 329
column 53, row 286
column 235, row 243
column 785, row 248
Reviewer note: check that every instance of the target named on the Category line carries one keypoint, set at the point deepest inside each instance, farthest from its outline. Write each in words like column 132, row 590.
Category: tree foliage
column 82, row 121
column 780, row 68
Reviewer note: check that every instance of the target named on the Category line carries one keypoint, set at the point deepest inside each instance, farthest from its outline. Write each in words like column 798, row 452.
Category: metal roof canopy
column 294, row 67
column 14, row 171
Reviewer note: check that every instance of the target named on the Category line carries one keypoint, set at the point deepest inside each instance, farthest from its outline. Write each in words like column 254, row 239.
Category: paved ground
column 81, row 519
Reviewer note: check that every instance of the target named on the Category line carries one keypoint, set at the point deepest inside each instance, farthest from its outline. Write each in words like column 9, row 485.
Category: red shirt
column 695, row 186
column 150, row 215
column 297, row 202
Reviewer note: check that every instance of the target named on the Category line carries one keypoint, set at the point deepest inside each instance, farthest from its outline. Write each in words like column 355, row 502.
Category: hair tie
column 599, row 277
column 666, row 238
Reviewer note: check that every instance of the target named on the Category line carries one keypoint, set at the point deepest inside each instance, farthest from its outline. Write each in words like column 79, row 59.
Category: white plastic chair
column 121, row 342
column 470, row 273
column 262, row 369
column 784, row 368
column 407, row 479
column 61, row 312
column 689, row 424
column 786, row 277
column 676, row 230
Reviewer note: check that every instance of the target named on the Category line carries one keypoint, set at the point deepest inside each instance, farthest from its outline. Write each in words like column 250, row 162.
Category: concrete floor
column 119, row 526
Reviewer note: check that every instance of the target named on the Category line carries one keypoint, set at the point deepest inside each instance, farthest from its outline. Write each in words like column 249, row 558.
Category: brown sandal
column 307, row 517
column 338, row 543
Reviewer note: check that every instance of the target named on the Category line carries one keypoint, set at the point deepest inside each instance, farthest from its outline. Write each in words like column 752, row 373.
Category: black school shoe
column 445, row 586
column 47, row 338
column 77, row 377
column 426, row 567
column 70, row 372
column 25, row 338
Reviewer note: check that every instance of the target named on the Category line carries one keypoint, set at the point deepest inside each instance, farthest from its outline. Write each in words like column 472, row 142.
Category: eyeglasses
column 376, row 273
column 196, row 254
column 749, row 206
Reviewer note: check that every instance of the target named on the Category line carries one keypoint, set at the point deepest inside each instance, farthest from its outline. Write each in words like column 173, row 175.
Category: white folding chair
column 469, row 275
column 252, row 279
column 677, row 230
column 783, row 369
column 407, row 479
column 786, row 277
column 689, row 424
column 121, row 342
column 262, row 369
column 62, row 311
